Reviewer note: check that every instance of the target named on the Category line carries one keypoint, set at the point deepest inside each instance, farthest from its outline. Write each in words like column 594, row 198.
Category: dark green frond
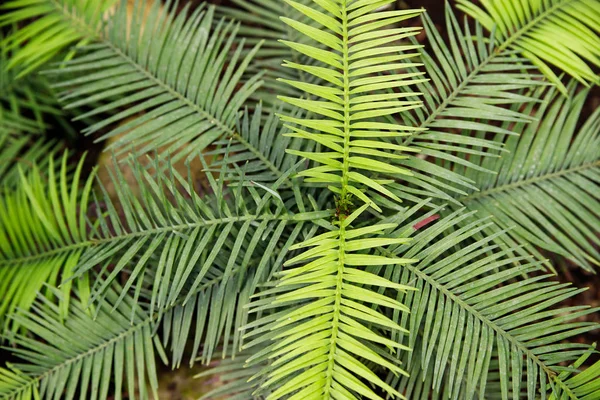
column 472, row 85
column 111, row 352
column 486, row 322
column 563, row 33
column 170, row 80
column 546, row 188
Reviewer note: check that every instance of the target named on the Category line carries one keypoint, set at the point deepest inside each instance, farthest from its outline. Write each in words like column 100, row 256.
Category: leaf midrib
column 475, row 72
column 148, row 232
column 526, row 182
column 213, row 120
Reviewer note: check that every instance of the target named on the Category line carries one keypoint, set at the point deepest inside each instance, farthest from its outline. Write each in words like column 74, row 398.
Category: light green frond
column 578, row 381
column 59, row 25
column 322, row 329
column 348, row 114
column 168, row 80
column 486, row 322
column 42, row 221
column 562, row 33
column 546, row 188
column 319, row 335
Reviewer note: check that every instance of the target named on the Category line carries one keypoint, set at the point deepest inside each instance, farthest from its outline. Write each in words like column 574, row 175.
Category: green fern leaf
column 42, row 223
column 563, row 33
column 60, row 24
column 173, row 69
column 548, row 195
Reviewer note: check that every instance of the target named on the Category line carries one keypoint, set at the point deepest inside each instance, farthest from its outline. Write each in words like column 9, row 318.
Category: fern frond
column 563, row 33
column 169, row 81
column 318, row 348
column 485, row 320
column 60, row 24
column 42, row 221
column 472, row 85
column 546, row 187
column 319, row 341
column 578, row 384
column 110, row 352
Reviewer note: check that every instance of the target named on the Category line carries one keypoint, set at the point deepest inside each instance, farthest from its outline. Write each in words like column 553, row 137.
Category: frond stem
column 87, row 31
column 526, row 182
column 180, row 227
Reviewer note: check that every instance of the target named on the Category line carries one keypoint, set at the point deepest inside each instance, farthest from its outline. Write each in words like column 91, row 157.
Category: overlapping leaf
column 42, row 224
column 561, row 33
column 484, row 322
column 547, row 186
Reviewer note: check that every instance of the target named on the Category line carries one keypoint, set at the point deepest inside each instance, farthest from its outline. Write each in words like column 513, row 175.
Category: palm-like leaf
column 87, row 354
column 547, row 186
column 42, row 223
column 472, row 84
column 321, row 349
column 171, row 69
column 60, row 24
column 563, row 33
column 479, row 328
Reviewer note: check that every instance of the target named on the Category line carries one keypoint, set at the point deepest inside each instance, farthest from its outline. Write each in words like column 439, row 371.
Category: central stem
column 343, row 209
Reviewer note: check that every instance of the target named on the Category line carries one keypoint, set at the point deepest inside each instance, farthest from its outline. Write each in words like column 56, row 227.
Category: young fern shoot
column 328, row 321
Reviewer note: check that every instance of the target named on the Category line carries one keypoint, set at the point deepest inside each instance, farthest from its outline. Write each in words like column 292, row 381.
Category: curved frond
column 169, row 80
column 485, row 322
column 109, row 352
column 562, row 33
column 42, row 220
column 59, row 25
column 546, row 188
column 473, row 84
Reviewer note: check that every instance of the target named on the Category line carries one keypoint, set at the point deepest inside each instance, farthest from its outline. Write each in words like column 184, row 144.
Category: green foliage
column 43, row 222
column 59, row 25
column 545, row 185
column 336, row 203
column 560, row 32
column 179, row 93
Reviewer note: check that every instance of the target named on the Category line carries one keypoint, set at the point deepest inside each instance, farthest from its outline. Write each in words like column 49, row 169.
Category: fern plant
column 318, row 198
